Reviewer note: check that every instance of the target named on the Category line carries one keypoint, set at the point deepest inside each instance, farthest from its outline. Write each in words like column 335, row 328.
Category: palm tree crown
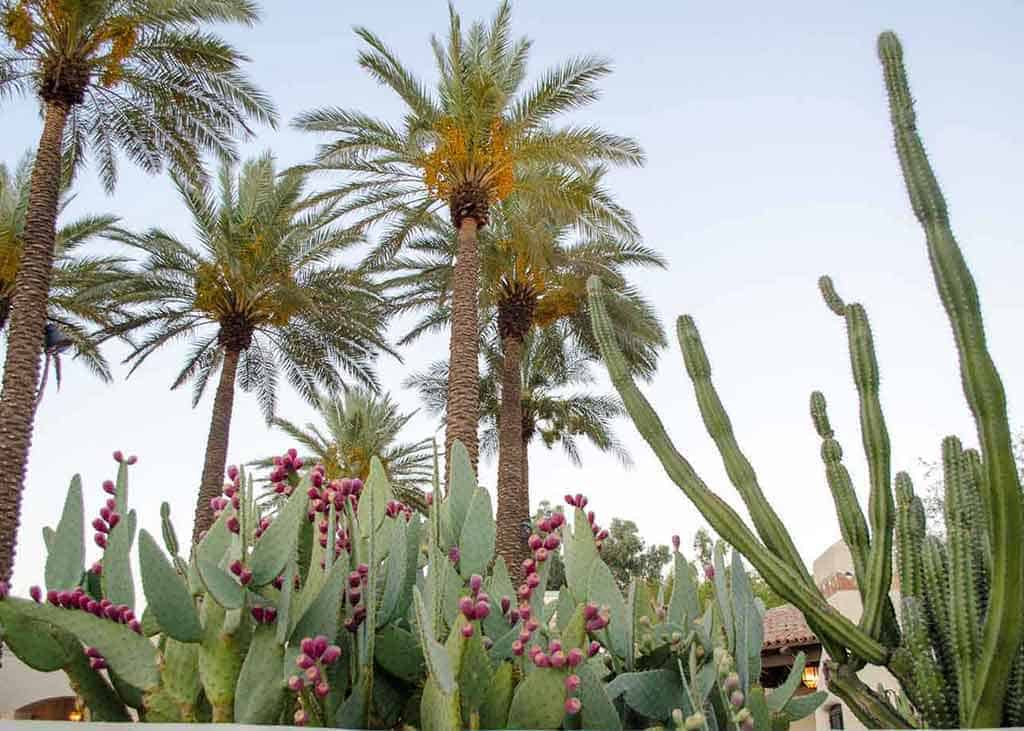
column 261, row 295
column 358, row 426
column 139, row 76
column 84, row 290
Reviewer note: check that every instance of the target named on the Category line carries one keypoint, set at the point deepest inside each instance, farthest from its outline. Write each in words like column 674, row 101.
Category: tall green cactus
column 958, row 652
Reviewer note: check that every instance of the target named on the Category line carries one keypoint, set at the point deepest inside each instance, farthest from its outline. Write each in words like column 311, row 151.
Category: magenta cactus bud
column 279, row 582
column 51, row 597
column 357, row 485
column 737, row 698
column 293, row 453
column 575, row 657
column 360, row 614
column 524, row 612
column 109, row 488
column 709, row 572
column 135, row 626
column 363, row 569
column 675, row 543
column 295, row 684
column 541, row 660
column 308, row 648
column 97, row 663
column 301, row 718
column 350, row 625
column 319, row 645
column 554, row 646
column 269, row 615
column 570, row 500
column 533, row 581
column 305, row 661
column 467, row 631
column 114, row 519
column 541, row 555
column 82, row 601
column 97, row 568
column 313, row 493
column 535, row 650
column 534, row 541
column 483, row 596
column 572, row 706
column 732, row 682
column 603, row 535
column 317, row 478
column 595, row 625
column 513, row 616
column 92, row 652
column 322, row 689
column 127, row 615
column 595, row 647
column 529, row 566
column 104, row 514
column 483, row 609
column 233, row 472
column 453, row 554
column 466, row 607
column 590, row 517
column 581, row 501
column 111, row 504
column 354, row 580
column 111, row 612
column 36, row 593
column 544, row 526
column 532, row 625
column 118, row 456
column 524, row 635
column 517, row 648
column 258, row 614
column 476, row 581
column 236, row 502
column 331, row 655
column 230, row 490
column 572, row 683
column 354, row 595
column 101, row 540
column 505, row 604
column 557, row 520
column 525, row 592
column 590, row 611
column 488, row 643
column 233, row 524
column 297, row 463
column 245, row 577
column 133, row 459
column 99, row 525
column 551, row 542
column 558, row 659
column 236, row 567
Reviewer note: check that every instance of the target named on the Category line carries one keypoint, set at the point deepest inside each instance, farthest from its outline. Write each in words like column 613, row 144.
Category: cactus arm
column 871, row 708
column 716, row 421
column 981, row 549
column 930, row 689
column 878, row 616
column 983, row 390
column 101, row 700
column 852, row 524
column 725, row 521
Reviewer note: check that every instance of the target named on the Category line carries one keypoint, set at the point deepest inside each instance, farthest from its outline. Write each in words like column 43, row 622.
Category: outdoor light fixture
column 810, row 676
column 75, row 715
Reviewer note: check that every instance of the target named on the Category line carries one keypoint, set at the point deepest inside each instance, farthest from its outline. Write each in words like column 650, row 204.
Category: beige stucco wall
column 20, row 684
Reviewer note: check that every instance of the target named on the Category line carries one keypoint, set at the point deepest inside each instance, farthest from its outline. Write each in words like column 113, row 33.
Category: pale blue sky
column 770, row 163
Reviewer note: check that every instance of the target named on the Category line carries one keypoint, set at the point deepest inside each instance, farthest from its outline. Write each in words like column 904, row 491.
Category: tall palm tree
column 534, row 273
column 358, row 426
column 464, row 147
column 261, row 294
column 84, row 289
column 138, row 76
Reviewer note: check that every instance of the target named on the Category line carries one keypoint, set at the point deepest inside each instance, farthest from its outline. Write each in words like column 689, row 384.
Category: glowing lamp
column 810, row 676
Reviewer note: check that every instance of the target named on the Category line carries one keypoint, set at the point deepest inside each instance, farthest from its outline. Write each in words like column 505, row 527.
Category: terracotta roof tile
column 785, row 627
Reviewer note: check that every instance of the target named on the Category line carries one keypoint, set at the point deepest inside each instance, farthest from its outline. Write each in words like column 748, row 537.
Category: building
column 786, row 634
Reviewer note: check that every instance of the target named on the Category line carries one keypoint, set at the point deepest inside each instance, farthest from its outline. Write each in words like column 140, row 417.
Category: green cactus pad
column 539, row 700
column 179, row 675
column 321, row 616
column 476, row 537
column 603, row 591
column 439, row 665
column 66, row 550
column 598, row 710
column 398, row 652
column 439, row 711
column 222, row 586
column 166, row 593
column 580, row 554
column 395, row 579
column 90, row 686
column 130, row 654
column 277, row 544
column 263, row 692
column 375, row 498
column 652, row 693
column 39, row 644
column 118, row 585
column 461, row 487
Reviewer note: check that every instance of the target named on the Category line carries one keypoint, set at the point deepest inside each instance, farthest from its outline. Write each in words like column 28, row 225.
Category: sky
column 770, row 162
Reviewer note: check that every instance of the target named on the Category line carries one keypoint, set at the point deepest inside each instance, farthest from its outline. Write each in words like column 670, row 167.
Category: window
column 835, row 717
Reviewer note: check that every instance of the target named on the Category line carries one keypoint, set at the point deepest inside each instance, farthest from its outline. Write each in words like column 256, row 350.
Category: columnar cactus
column 957, row 650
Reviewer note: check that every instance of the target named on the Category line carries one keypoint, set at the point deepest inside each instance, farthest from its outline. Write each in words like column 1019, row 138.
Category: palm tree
column 466, row 147
column 358, row 426
column 557, row 408
column 260, row 295
column 84, row 289
column 138, row 76
column 534, row 273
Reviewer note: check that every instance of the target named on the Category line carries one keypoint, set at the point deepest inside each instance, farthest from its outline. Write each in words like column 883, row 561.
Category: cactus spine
column 958, row 654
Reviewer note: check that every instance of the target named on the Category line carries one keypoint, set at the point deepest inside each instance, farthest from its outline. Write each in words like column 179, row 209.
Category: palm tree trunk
column 25, row 329
column 464, row 346
column 216, row 445
column 513, row 497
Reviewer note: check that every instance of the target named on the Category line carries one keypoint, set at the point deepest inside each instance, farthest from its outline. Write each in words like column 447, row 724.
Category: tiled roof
column 785, row 627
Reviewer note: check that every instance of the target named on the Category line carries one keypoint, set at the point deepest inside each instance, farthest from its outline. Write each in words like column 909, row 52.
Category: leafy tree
column 358, row 426
column 464, row 148
column 629, row 557
column 143, row 77
column 259, row 296
column 84, row 289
